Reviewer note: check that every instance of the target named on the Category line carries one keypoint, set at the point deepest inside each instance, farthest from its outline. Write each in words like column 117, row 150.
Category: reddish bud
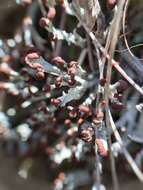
column 55, row 102
column 33, row 55
column 117, row 106
column 80, row 121
column 40, row 75
column 58, row 61
column 72, row 71
column 71, row 82
column 102, row 81
column 123, row 85
column 67, row 122
column 103, row 103
column 101, row 149
column 84, row 109
column 97, row 121
column 44, row 22
column 72, row 113
column 73, row 64
column 51, row 13
column 46, row 88
column 58, row 81
column 111, row 3
column 37, row 66
column 118, row 96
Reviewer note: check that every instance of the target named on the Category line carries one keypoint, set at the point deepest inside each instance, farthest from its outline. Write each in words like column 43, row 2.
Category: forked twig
column 127, row 155
column 116, row 65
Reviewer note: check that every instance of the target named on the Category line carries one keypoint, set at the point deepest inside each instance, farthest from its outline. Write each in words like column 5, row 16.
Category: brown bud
column 58, row 81
column 103, row 103
column 37, row 66
column 72, row 71
column 80, row 121
column 46, row 88
column 43, row 22
column 101, row 149
column 71, row 82
column 84, row 109
column 102, row 81
column 33, row 55
column 72, row 131
column 67, row 122
column 73, row 64
column 72, row 113
column 111, row 3
column 40, row 75
column 55, row 102
column 118, row 96
column 97, row 121
column 117, row 106
column 123, row 85
column 58, row 61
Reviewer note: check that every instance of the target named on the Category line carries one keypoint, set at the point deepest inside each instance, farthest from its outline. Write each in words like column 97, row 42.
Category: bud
column 44, row 22
column 58, row 61
column 111, row 3
column 55, row 102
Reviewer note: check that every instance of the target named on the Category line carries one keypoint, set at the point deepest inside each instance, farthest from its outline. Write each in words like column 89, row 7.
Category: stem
column 115, row 29
column 59, row 43
column 127, row 155
column 89, row 49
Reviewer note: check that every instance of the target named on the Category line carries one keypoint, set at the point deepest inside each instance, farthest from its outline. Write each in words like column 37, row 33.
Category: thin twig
column 115, row 29
column 59, row 42
column 116, row 65
column 97, row 175
column 123, row 25
column 127, row 155
column 82, row 56
column 90, row 56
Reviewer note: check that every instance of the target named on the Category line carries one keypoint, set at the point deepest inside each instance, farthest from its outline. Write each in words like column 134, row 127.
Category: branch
column 127, row 155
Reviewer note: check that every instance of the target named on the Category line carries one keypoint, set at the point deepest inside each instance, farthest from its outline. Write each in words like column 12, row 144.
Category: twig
column 123, row 25
column 115, row 29
column 116, row 65
column 90, row 57
column 127, row 155
column 42, row 8
column 108, row 41
column 82, row 56
column 97, row 174
column 59, row 42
